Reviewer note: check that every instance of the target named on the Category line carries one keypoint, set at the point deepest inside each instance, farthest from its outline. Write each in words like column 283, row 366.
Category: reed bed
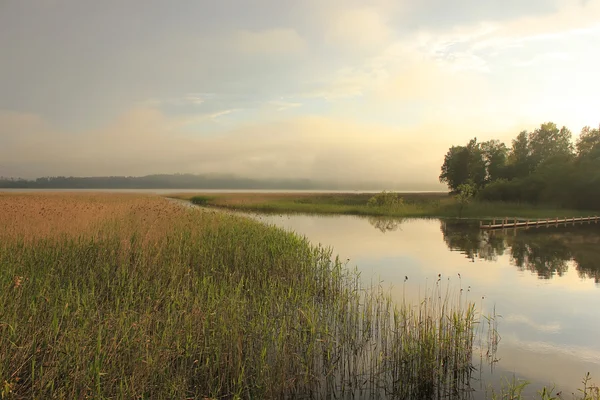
column 118, row 296
column 418, row 205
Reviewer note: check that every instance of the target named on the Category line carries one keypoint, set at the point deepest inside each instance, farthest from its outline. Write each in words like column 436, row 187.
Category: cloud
column 492, row 38
column 145, row 141
column 194, row 99
column 358, row 28
column 282, row 105
column 581, row 353
column 445, row 71
column 278, row 41
column 553, row 327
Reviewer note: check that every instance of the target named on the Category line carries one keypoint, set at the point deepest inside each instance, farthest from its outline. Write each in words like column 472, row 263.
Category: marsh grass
column 112, row 296
column 439, row 205
column 514, row 389
column 117, row 296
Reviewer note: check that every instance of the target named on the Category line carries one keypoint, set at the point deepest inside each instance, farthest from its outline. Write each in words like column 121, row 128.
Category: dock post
column 527, row 224
column 515, row 221
column 494, row 221
column 547, row 222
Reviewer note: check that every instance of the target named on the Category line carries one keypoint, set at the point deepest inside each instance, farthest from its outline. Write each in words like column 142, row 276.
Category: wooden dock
column 515, row 223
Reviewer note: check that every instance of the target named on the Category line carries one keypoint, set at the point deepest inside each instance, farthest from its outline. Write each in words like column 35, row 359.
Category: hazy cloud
column 280, row 41
column 142, row 141
column 359, row 29
column 334, row 89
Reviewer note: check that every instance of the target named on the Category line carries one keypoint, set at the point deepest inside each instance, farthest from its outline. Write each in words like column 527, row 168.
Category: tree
column 494, row 154
column 549, row 142
column 465, row 194
column 586, row 179
column 463, row 164
column 518, row 158
column 540, row 167
column 588, row 143
column 455, row 170
column 477, row 164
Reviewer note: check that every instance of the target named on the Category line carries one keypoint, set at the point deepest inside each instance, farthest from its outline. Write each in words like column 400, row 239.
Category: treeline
column 543, row 166
column 176, row 181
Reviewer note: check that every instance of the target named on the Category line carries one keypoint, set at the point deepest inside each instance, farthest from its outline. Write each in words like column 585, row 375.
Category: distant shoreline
column 211, row 182
column 208, row 191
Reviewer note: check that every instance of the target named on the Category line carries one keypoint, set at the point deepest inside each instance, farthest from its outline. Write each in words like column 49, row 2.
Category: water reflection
column 385, row 224
column 548, row 327
column 547, row 252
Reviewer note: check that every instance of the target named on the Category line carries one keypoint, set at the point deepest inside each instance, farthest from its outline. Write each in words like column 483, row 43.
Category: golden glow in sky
column 312, row 89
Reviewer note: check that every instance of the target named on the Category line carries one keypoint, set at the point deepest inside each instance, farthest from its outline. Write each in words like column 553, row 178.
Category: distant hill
column 191, row 181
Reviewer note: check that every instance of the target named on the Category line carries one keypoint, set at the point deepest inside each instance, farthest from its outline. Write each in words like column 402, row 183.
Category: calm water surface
column 544, row 284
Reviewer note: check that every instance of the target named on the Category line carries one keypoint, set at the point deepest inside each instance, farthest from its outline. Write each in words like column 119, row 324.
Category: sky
column 342, row 90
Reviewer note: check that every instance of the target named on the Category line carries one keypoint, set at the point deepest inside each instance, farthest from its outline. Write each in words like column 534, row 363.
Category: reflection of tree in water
column 544, row 251
column 545, row 256
column 472, row 242
column 588, row 260
column 385, row 224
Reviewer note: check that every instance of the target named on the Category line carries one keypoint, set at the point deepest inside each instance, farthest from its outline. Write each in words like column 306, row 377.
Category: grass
column 126, row 296
column 513, row 390
column 440, row 205
column 113, row 296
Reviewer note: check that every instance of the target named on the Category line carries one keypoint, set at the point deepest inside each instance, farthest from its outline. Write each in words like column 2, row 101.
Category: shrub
column 386, row 199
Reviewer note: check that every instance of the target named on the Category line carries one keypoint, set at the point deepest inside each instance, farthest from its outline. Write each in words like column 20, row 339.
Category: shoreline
column 412, row 205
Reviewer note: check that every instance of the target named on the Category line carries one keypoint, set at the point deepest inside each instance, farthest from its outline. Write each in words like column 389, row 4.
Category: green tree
column 556, row 173
column 519, row 158
column 494, row 154
column 586, row 177
column 455, row 170
column 588, row 142
column 477, row 164
column 548, row 142
column 540, row 167
column 466, row 191
column 463, row 164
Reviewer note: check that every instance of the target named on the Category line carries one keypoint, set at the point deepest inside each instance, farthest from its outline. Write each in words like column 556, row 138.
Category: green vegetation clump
column 387, row 200
column 201, row 200
column 513, row 390
column 465, row 194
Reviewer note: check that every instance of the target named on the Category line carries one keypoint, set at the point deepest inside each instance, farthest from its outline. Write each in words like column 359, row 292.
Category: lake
column 542, row 284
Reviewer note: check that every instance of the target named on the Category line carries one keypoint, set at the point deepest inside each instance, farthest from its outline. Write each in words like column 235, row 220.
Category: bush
column 201, row 200
column 500, row 190
column 386, row 199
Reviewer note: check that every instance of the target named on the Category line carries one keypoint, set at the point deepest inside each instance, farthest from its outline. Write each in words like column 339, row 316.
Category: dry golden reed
column 33, row 216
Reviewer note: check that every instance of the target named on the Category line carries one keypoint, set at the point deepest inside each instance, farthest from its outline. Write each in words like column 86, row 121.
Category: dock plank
column 538, row 222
